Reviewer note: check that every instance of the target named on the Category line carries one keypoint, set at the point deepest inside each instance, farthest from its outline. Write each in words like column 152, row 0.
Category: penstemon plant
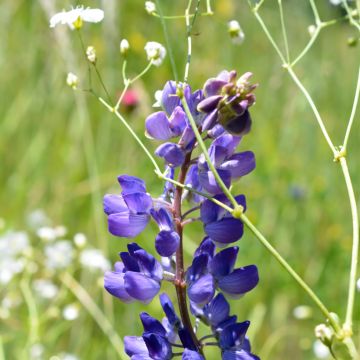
column 199, row 132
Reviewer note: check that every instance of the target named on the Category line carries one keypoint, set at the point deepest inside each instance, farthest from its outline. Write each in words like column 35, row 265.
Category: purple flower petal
column 163, row 219
column 152, row 325
column 114, row 204
column 223, row 262
column 227, row 141
column 205, row 247
column 158, row 126
column 191, row 355
column 240, row 164
column 217, row 310
column 167, row 242
column 114, row 284
column 202, row 290
column 209, row 183
column 126, row 224
column 140, row 286
column 233, row 335
column 239, row 125
column 172, row 153
column 158, row 346
column 225, row 231
column 177, row 121
column 213, row 86
column 210, row 120
column 131, row 184
column 148, row 265
column 135, row 345
column 238, row 355
column 209, row 104
column 240, row 281
column 169, row 100
column 139, row 203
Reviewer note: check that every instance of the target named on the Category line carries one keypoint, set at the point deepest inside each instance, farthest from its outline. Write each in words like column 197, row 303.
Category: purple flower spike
column 172, row 153
column 137, row 278
column 128, row 213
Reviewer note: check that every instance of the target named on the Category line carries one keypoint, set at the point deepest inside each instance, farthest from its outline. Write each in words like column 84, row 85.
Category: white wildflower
column 150, row 7
column 75, row 17
column 59, row 254
column 80, row 240
column 45, row 288
column 124, row 47
column 94, row 259
column 302, row 312
column 36, row 351
column 46, row 233
column 37, row 218
column 335, row 2
column 155, row 52
column 70, row 312
column 91, row 54
column 158, row 98
column 60, row 231
column 235, row 31
column 72, row 80
column 13, row 243
column 320, row 350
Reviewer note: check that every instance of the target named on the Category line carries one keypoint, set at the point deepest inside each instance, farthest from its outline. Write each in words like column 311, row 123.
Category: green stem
column 178, row 17
column 314, row 109
column 355, row 246
column 188, row 31
column 96, row 313
column 206, row 154
column 291, row 271
column 349, row 12
column 208, row 8
column 2, row 352
column 353, row 111
column 316, row 13
column 283, row 29
column 132, row 132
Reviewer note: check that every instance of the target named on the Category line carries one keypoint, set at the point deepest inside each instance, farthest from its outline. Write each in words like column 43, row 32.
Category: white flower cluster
column 155, row 52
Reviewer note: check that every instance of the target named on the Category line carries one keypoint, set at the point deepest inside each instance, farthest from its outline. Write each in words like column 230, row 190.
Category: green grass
column 61, row 151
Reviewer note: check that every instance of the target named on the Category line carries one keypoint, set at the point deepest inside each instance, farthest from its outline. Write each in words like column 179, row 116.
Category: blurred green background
column 60, row 151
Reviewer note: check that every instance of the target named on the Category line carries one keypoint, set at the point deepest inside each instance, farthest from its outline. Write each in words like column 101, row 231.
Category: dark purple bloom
column 172, row 153
column 219, row 224
column 138, row 277
column 167, row 240
column 128, row 213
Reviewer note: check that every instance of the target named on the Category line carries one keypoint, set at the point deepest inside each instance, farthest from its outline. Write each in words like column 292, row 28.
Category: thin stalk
column 2, row 352
column 316, row 12
column 85, row 299
column 206, row 154
column 208, row 8
column 167, row 41
column 178, row 17
column 349, row 12
column 291, row 271
column 188, row 31
column 314, row 109
column 353, row 111
column 355, row 246
column 137, row 77
column 283, row 29
column 132, row 132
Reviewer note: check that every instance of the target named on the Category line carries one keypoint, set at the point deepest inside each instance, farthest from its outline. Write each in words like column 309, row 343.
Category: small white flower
column 70, row 312
column 150, row 7
column 311, row 30
column 158, row 98
column 335, row 2
column 155, row 52
column 59, row 255
column 60, row 231
column 36, row 351
column 91, row 54
column 37, row 218
column 46, row 233
column 235, row 31
column 320, row 350
column 94, row 259
column 45, row 288
column 80, row 240
column 124, row 47
column 302, row 312
column 72, row 80
column 75, row 17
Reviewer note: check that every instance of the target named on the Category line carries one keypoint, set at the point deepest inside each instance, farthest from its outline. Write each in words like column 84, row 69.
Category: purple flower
column 167, row 240
column 191, row 355
column 128, row 213
column 138, row 277
column 219, row 224
column 172, row 153
column 227, row 101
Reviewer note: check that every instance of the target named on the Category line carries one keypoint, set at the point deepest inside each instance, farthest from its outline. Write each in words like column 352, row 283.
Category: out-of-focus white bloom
column 11, row 301
column 358, row 285
column 46, row 233
column 59, row 254
column 320, row 350
column 72, row 80
column 150, row 7
column 60, row 231
column 158, row 97
column 75, row 17
column 124, row 47
column 94, row 259
column 155, row 52
column 302, row 312
column 37, row 219
column 80, row 240
column 311, row 29
column 9, row 268
column 45, row 288
column 335, row 2
column 91, row 54
column 13, row 243
column 235, row 31
column 36, row 351
column 70, row 312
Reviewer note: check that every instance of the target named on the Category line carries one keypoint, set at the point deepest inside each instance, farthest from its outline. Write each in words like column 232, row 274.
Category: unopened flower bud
column 235, row 31
column 311, row 30
column 324, row 333
column 72, row 80
column 91, row 54
column 124, row 47
column 150, row 7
